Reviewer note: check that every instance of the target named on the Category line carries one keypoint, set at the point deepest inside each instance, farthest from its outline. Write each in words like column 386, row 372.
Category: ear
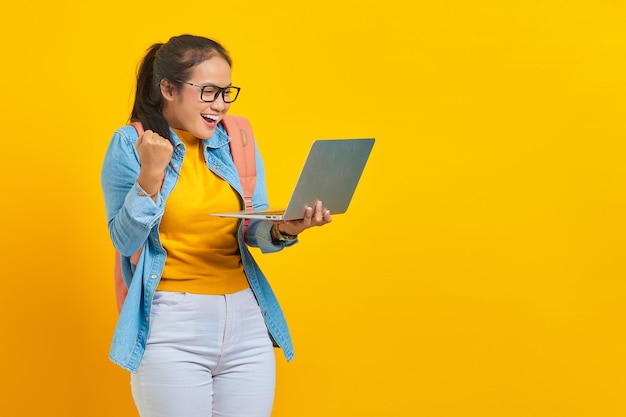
column 167, row 90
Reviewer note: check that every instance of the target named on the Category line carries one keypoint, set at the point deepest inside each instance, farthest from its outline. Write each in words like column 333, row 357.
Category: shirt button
column 264, row 313
column 153, row 276
column 147, row 318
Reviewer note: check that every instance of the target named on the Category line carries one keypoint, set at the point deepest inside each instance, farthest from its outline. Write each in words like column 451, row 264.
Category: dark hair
column 173, row 61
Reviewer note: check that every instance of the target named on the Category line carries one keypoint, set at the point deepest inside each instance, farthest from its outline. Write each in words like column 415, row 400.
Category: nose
column 219, row 103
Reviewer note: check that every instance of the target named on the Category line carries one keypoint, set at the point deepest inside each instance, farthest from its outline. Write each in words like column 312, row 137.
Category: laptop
column 330, row 174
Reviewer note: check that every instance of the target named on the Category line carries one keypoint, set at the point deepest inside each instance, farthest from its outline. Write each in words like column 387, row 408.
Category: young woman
column 199, row 322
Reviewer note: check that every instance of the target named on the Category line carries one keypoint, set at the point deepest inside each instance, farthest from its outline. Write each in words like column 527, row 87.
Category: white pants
column 206, row 356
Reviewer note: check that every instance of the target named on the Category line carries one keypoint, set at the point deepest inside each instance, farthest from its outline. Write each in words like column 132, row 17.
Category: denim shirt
column 133, row 221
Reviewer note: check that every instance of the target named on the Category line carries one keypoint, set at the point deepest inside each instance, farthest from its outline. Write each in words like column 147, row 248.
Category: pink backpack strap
column 138, row 127
column 244, row 156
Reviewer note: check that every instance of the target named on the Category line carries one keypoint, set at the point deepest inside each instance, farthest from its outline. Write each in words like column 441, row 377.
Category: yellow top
column 202, row 252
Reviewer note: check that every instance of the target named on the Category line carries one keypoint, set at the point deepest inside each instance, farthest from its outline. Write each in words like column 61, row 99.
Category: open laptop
column 330, row 174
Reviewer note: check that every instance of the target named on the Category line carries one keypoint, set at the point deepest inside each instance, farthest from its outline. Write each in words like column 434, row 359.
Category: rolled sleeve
column 258, row 235
column 130, row 215
column 132, row 225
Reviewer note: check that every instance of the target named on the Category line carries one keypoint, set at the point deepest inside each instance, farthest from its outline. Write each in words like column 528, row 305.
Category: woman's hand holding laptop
column 287, row 230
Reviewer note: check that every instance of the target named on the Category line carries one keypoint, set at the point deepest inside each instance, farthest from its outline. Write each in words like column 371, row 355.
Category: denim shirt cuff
column 263, row 238
column 145, row 210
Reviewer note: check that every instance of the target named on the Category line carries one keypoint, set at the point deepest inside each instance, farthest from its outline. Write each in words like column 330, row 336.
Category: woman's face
column 186, row 111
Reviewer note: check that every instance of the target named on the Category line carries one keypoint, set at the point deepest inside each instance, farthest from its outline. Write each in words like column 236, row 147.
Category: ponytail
column 148, row 105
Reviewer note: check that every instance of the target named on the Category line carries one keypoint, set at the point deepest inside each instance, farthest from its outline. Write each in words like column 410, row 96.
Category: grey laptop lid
column 331, row 173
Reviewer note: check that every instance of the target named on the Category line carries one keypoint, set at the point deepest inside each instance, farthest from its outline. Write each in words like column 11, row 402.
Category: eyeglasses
column 210, row 93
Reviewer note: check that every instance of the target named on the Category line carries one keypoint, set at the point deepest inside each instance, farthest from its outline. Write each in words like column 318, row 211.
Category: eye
column 210, row 90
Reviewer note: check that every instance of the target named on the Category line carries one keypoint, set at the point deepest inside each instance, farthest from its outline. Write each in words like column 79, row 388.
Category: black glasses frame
column 220, row 90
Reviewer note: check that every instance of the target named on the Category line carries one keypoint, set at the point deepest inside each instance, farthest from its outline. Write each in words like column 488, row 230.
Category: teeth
column 210, row 116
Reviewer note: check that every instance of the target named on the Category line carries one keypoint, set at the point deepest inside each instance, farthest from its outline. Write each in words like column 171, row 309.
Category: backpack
column 244, row 156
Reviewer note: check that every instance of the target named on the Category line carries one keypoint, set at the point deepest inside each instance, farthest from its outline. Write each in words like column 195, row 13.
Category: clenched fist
column 155, row 153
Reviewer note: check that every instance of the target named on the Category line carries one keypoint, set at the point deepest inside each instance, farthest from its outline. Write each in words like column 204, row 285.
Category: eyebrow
column 214, row 85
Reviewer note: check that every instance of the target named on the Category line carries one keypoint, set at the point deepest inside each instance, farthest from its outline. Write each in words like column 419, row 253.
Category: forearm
column 130, row 226
column 131, row 214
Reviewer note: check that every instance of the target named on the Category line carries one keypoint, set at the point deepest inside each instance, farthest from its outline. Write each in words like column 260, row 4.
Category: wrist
column 279, row 237
column 143, row 193
column 149, row 185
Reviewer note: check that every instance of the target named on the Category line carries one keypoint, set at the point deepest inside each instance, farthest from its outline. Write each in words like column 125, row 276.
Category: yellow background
column 480, row 268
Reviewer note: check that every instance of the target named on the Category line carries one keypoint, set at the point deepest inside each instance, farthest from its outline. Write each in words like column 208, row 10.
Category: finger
column 144, row 138
column 152, row 137
column 319, row 212
column 308, row 215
